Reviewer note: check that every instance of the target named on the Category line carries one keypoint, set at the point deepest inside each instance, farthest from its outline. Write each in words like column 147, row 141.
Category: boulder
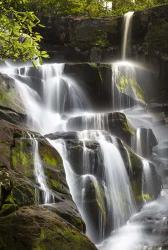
column 116, row 123
column 38, row 228
column 143, row 142
column 98, row 217
column 29, row 227
column 9, row 97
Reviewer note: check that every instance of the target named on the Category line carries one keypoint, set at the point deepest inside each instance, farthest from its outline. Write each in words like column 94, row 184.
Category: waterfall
column 118, row 203
column 98, row 177
column 40, row 175
column 118, row 185
column 127, row 33
column 49, row 108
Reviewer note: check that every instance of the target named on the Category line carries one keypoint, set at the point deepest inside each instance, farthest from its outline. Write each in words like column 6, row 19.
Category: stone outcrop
column 99, row 39
column 79, row 39
column 31, row 226
column 38, row 228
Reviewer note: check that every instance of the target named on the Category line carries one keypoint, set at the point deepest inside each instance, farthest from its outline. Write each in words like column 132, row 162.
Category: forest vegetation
column 19, row 19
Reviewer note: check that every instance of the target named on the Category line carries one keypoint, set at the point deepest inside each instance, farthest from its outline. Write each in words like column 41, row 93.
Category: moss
column 56, row 185
column 49, row 160
column 54, row 180
column 49, row 156
column 63, row 238
column 128, row 128
column 100, row 198
column 10, row 199
column 136, row 177
column 7, row 209
column 22, row 160
column 35, row 228
column 24, row 194
column 147, row 197
column 8, row 95
column 125, row 82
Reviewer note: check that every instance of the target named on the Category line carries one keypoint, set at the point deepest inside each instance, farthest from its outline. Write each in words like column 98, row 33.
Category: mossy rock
column 96, row 209
column 9, row 97
column 68, row 212
column 135, row 171
column 16, row 191
column 39, row 229
column 56, row 180
column 49, row 156
column 22, row 157
column 5, row 185
column 7, row 209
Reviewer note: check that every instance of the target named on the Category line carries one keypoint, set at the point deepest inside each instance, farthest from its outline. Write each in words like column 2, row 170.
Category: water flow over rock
column 104, row 176
column 40, row 176
column 127, row 33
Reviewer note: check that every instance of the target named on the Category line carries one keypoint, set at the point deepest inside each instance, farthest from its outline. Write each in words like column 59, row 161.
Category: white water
column 128, row 237
column 116, row 177
column 47, row 113
column 148, row 180
column 40, row 176
column 115, row 181
column 121, row 200
column 127, row 33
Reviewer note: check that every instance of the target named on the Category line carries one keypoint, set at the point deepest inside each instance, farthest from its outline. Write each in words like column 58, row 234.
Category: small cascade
column 127, row 33
column 93, row 202
column 59, row 95
column 47, row 197
column 148, row 184
column 138, row 143
column 118, row 184
column 126, row 91
column 116, row 178
column 99, row 168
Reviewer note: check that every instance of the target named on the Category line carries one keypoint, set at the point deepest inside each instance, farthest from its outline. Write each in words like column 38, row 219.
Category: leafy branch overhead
column 17, row 36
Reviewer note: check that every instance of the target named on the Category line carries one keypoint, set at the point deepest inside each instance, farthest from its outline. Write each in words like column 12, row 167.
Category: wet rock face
column 96, row 210
column 87, row 163
column 29, row 227
column 143, row 142
column 160, row 156
column 85, row 158
column 38, row 228
column 100, row 39
column 9, row 97
column 116, row 123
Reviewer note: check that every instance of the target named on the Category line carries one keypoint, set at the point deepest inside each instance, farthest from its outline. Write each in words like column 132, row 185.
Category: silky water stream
column 98, row 165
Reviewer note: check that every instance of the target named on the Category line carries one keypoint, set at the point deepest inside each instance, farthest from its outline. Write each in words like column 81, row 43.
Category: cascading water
column 40, row 176
column 98, row 176
column 127, row 33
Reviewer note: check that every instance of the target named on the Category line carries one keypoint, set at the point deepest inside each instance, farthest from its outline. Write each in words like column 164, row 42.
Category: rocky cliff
column 77, row 39
column 24, row 224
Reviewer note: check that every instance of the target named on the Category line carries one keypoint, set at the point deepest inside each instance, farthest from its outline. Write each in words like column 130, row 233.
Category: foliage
column 17, row 36
column 18, row 21
column 68, row 7
column 91, row 8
